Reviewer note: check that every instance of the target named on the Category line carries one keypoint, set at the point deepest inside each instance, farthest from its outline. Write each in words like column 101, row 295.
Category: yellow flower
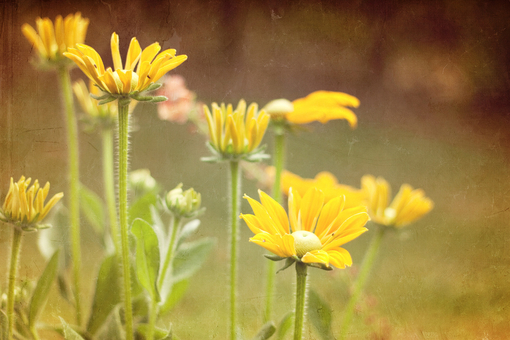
column 407, row 206
column 51, row 41
column 236, row 133
column 90, row 105
column 327, row 183
column 125, row 80
column 321, row 106
column 25, row 207
column 316, row 229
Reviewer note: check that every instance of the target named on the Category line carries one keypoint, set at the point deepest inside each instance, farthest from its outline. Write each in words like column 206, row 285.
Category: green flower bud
column 183, row 203
column 305, row 241
column 142, row 182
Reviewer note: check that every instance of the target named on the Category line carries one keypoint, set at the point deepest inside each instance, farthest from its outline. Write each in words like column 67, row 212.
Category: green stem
column 170, row 252
column 74, row 184
column 33, row 331
column 279, row 158
column 109, row 187
column 123, row 218
column 152, row 318
column 235, row 187
column 364, row 272
column 13, row 273
column 300, row 299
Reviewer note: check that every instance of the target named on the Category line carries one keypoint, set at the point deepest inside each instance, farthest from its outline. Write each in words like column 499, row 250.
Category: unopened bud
column 183, row 203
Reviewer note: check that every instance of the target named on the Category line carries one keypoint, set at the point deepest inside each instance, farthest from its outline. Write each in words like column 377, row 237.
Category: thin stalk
column 13, row 273
column 279, row 158
column 33, row 332
column 152, row 318
column 235, row 187
column 300, row 299
column 109, row 187
column 364, row 272
column 123, row 218
column 74, row 184
column 170, row 252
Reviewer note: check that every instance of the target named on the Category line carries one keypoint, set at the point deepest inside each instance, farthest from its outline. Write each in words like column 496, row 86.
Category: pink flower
column 180, row 100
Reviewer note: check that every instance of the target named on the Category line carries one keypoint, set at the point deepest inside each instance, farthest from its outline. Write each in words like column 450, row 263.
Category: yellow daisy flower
column 236, row 133
column 51, row 41
column 316, row 231
column 321, row 106
column 408, row 205
column 125, row 81
column 90, row 105
column 25, row 207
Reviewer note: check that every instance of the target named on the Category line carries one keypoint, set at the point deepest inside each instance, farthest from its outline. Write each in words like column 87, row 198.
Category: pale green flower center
column 305, row 241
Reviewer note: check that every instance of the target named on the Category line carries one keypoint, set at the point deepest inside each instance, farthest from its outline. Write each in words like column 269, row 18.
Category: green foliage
column 112, row 328
column 189, row 229
column 159, row 333
column 3, row 325
column 107, row 294
column 69, row 333
column 40, row 295
column 92, row 207
column 190, row 257
column 177, row 292
column 285, row 325
column 141, row 208
column 147, row 256
column 266, row 331
column 320, row 315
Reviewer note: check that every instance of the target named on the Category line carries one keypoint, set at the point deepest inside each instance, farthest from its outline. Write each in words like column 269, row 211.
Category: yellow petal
column 275, row 211
column 329, row 214
column 133, row 55
column 253, row 223
column 114, row 43
column 311, row 206
column 266, row 223
column 294, row 204
column 316, row 256
column 340, row 258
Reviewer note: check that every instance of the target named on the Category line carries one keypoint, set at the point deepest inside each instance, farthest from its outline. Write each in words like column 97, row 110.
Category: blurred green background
column 433, row 81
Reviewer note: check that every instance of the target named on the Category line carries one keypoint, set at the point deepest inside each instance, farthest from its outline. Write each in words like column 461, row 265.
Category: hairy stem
column 74, row 184
column 364, row 272
column 123, row 218
column 13, row 273
column 170, row 251
column 109, row 187
column 300, row 299
column 235, row 187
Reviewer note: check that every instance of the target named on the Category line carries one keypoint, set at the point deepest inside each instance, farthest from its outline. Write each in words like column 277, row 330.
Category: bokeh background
column 433, row 81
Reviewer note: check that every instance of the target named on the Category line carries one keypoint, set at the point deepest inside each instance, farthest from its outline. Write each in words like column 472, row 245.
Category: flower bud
column 279, row 108
column 142, row 182
column 183, row 203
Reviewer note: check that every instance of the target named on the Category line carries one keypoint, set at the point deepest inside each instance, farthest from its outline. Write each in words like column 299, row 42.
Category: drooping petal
column 316, row 256
column 340, row 258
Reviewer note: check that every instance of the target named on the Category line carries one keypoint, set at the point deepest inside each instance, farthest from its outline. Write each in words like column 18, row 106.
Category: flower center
column 305, row 241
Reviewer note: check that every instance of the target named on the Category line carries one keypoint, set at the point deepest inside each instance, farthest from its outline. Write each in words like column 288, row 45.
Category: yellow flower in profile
column 408, row 205
column 124, row 81
column 321, row 106
column 51, row 41
column 235, row 134
column 90, row 105
column 324, row 181
column 25, row 207
column 316, row 231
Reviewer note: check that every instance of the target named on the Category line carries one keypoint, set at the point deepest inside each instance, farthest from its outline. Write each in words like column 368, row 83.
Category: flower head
column 123, row 81
column 52, row 41
column 236, row 134
column 141, row 182
column 324, row 181
column 183, row 203
column 316, row 231
column 25, row 206
column 408, row 205
column 102, row 115
column 321, row 106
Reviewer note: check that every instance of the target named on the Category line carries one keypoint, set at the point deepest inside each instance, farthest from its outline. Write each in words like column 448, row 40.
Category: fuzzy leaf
column 285, row 325
column 147, row 256
column 107, row 293
column 57, row 237
column 189, row 229
column 176, row 294
column 69, row 333
column 40, row 295
column 266, row 331
column 190, row 257
column 112, row 327
column 92, row 207
column 159, row 333
column 153, row 87
column 320, row 315
column 141, row 208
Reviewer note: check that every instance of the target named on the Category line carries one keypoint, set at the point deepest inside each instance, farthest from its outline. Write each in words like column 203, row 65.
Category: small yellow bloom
column 408, row 205
column 324, row 181
column 321, row 106
column 25, row 207
column 51, row 41
column 235, row 133
column 125, row 80
column 316, row 230
column 90, row 105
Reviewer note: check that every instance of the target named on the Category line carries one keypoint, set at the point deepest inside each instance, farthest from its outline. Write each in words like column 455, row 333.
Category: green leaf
column 40, row 295
column 3, row 325
column 189, row 229
column 176, row 294
column 147, row 256
column 285, row 325
column 320, row 315
column 190, row 257
column 112, row 327
column 141, row 208
column 107, row 294
column 92, row 207
column 106, row 100
column 289, row 262
column 69, row 333
column 266, row 331
column 159, row 333
column 57, row 237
